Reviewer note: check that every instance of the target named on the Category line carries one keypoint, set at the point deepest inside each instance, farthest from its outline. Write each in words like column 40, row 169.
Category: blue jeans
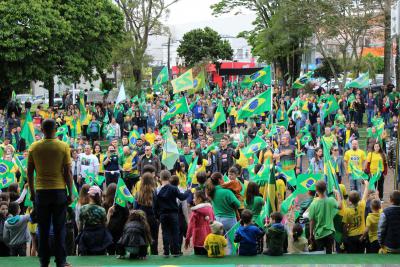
column 355, row 185
column 228, row 223
column 370, row 115
column 51, row 208
column 170, row 233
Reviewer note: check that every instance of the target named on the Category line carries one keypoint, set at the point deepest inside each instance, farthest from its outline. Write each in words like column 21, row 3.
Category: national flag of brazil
column 183, row 82
column 256, row 105
column 123, row 195
column 255, row 145
column 133, row 136
column 219, row 117
column 263, row 76
column 178, row 107
column 306, row 182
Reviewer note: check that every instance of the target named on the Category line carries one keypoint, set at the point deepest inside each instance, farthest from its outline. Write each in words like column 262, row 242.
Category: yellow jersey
column 150, row 137
column 357, row 157
column 375, row 159
column 49, row 157
column 354, row 217
column 215, row 245
column 372, row 224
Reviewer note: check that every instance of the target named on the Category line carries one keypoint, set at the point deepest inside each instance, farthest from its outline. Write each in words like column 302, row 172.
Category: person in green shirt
column 254, row 202
column 224, row 203
column 321, row 214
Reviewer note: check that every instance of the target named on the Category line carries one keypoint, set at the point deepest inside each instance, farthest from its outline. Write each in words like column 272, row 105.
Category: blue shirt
column 247, row 237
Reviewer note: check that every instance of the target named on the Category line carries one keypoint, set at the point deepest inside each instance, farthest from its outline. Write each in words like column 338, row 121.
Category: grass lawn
column 104, row 261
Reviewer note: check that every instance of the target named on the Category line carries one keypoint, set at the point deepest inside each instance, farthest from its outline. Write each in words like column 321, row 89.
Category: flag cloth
column 356, row 173
column 256, row 105
column 361, row 82
column 288, row 202
column 199, row 82
column 183, row 82
column 82, row 107
column 263, row 76
column 295, row 103
column 170, row 152
column 303, row 80
column 28, row 202
column 219, row 117
column 28, row 131
column 305, row 139
column 375, row 178
column 6, row 176
column 230, row 235
column 271, row 203
column 123, row 195
column 76, row 196
column 330, row 174
column 99, row 180
column 192, row 170
column 306, row 182
column 255, row 145
column 121, row 95
column 290, row 175
column 89, row 178
column 13, row 96
column 162, row 78
column 330, row 106
column 179, row 107
column 134, row 135
column 263, row 175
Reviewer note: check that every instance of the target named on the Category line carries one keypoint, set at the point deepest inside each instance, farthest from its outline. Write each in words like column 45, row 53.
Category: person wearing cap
column 50, row 158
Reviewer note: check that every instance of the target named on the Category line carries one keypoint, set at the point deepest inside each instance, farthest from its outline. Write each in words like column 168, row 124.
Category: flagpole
column 396, row 185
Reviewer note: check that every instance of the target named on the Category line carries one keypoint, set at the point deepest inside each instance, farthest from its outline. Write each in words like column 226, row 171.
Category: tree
column 198, row 44
column 142, row 19
column 374, row 65
column 43, row 38
column 325, row 69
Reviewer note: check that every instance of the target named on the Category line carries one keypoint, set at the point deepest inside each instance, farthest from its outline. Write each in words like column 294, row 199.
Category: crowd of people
column 215, row 200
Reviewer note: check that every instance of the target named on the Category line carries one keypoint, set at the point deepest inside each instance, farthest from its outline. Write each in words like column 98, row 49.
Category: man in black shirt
column 226, row 156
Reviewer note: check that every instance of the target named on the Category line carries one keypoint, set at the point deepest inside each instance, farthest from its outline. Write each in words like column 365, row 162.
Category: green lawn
column 104, row 261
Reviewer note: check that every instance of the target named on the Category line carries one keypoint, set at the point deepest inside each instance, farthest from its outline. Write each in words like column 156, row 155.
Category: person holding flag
column 356, row 157
column 376, row 164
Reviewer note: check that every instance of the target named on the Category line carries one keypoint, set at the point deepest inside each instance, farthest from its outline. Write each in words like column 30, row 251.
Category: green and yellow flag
column 192, row 170
column 256, row 105
column 303, row 80
column 199, row 82
column 255, row 145
column 133, row 136
column 263, row 76
column 356, row 173
column 179, row 107
column 170, row 152
column 183, row 82
column 219, row 117
column 361, row 82
column 82, row 107
column 28, row 131
column 288, row 202
column 162, row 78
column 7, row 177
column 306, row 182
column 375, row 178
column 123, row 195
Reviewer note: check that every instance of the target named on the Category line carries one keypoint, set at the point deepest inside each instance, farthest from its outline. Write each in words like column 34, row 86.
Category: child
column 299, row 243
column 247, row 235
column 215, row 242
column 388, row 233
column 354, row 221
column 136, row 236
column 371, row 227
column 4, row 250
column 233, row 184
column 199, row 223
column 15, row 233
column 276, row 236
column 166, row 208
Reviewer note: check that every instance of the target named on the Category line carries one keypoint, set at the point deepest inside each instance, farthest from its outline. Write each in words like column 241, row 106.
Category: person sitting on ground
column 277, row 237
column 247, row 235
column 215, row 242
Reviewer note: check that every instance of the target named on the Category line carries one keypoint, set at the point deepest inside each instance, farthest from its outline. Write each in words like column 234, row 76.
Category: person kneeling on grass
column 136, row 237
column 247, row 235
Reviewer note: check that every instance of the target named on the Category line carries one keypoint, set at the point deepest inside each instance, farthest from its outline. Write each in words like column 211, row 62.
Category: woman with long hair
column 224, row 203
column 83, row 200
column 100, row 156
column 144, row 202
column 376, row 162
column 317, row 162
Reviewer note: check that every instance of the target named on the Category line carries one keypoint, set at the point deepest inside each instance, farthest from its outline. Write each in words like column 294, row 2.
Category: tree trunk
column 49, row 85
column 388, row 43
column 137, row 75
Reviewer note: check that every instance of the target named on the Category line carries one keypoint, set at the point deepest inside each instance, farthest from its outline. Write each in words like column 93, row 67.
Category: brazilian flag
column 192, row 171
column 361, row 82
column 288, row 202
column 82, row 107
column 255, row 145
column 303, row 80
column 263, row 76
column 123, row 195
column 306, row 182
column 305, row 139
column 162, row 78
column 271, row 204
column 219, row 117
column 179, row 107
column 256, row 105
column 263, row 175
column 133, row 136
column 6, row 176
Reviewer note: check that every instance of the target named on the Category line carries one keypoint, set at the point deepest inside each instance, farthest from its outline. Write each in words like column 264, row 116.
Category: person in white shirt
column 87, row 163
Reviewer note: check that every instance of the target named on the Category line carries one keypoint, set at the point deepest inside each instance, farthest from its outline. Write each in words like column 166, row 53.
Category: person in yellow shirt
column 201, row 165
column 51, row 159
column 357, row 157
column 215, row 242
column 375, row 160
column 354, row 222
column 371, row 227
column 150, row 136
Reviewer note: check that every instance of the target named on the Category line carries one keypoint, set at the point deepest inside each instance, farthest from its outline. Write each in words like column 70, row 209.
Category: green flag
column 28, row 131
column 82, row 107
column 192, row 170
column 183, row 82
column 28, row 202
column 13, row 96
column 271, row 203
column 162, row 78
column 256, row 105
column 290, row 175
column 199, row 82
column 170, row 152
column 303, row 80
column 263, row 76
column 76, row 196
column 306, row 182
column 288, row 202
column 263, row 175
column 123, row 195
column 230, row 235
column 330, row 106
column 6, row 176
column 361, row 82
column 179, row 107
column 134, row 135
column 356, row 173
column 255, row 145
column 375, row 178
column 219, row 117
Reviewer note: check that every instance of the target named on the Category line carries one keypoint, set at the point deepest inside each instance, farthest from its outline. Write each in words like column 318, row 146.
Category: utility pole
column 169, row 56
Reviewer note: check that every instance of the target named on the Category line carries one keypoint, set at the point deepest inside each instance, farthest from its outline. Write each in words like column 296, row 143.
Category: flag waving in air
column 28, row 132
column 199, row 82
column 6, row 176
column 162, row 78
column 133, row 136
column 170, row 152
column 82, row 107
column 183, row 82
column 361, row 82
column 256, row 105
column 179, row 107
column 263, row 76
column 219, row 117
column 303, row 80
column 255, row 145
column 123, row 195
column 306, row 182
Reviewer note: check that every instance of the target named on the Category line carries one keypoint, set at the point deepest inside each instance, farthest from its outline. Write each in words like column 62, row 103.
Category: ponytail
column 215, row 179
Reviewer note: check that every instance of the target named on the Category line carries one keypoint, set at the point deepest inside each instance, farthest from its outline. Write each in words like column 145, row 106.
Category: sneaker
column 177, row 255
column 166, row 255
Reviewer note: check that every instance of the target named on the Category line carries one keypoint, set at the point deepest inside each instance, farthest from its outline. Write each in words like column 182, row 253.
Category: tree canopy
column 199, row 44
